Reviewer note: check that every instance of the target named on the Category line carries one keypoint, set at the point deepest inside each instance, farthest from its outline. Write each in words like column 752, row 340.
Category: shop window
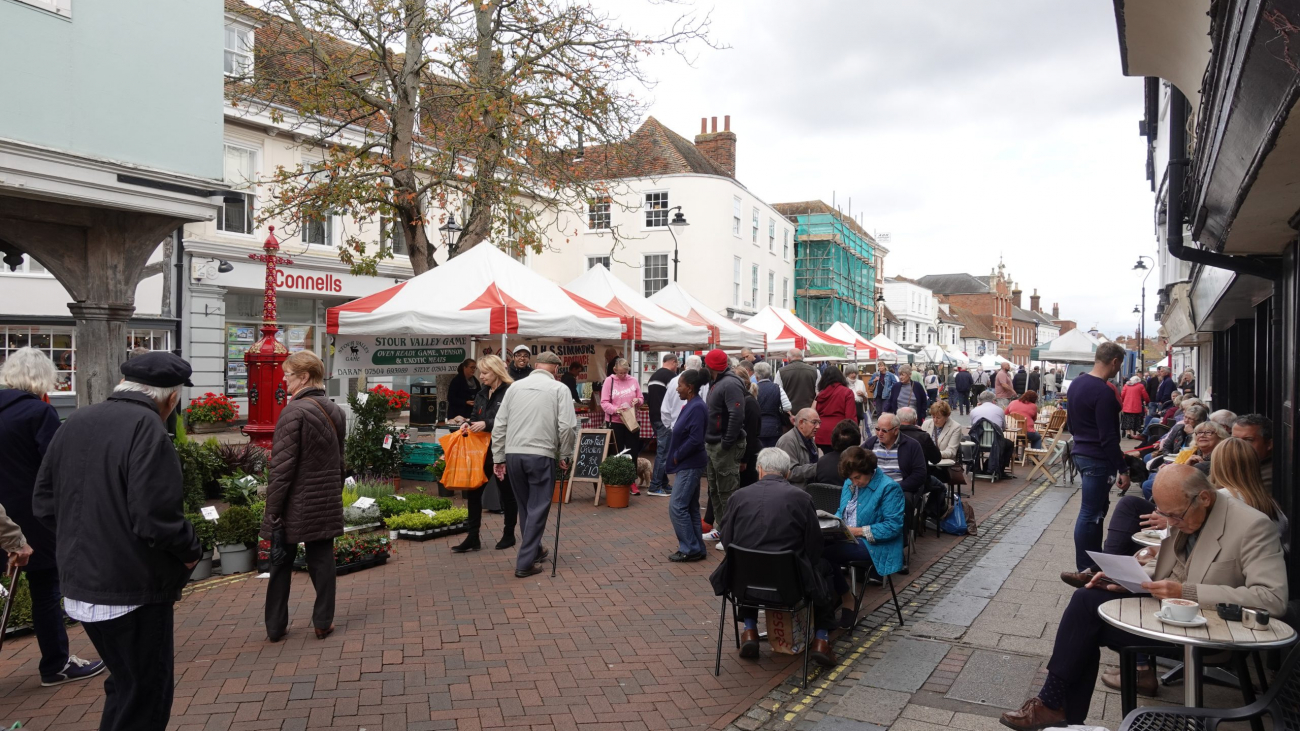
column 147, row 340
column 298, row 319
column 57, row 343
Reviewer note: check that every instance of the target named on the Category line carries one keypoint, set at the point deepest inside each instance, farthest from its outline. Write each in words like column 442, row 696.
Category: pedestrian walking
column 1134, row 400
column 859, row 388
column 688, row 461
column 1035, row 382
column 495, row 377
column 1049, row 384
column 305, row 495
column 724, row 438
column 963, row 382
column 799, row 381
column 534, row 424
column 753, row 425
column 907, row 393
column 981, row 382
column 834, row 404
column 882, row 384
column 1019, row 381
column 110, row 488
column 27, row 424
column 655, row 391
column 773, row 406
column 1093, row 421
column 620, row 395
column 1004, row 388
column 931, row 384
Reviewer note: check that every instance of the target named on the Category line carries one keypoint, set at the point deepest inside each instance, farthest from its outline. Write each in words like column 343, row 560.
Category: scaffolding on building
column 835, row 268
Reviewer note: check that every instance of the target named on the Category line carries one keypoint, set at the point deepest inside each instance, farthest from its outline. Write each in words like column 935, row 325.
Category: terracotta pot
column 617, row 496
column 558, row 493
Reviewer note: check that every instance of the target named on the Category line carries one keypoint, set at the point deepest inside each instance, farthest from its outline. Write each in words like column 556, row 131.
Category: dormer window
column 238, row 47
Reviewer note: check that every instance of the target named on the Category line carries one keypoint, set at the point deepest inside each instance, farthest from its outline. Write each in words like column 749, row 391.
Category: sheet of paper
column 1123, row 570
column 363, row 502
column 428, row 512
column 209, row 512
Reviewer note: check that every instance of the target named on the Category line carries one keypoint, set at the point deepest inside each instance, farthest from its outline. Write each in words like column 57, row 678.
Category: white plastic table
column 1142, row 539
column 1137, row 616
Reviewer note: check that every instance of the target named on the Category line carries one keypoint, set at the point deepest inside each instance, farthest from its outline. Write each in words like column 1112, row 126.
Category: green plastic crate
column 421, row 453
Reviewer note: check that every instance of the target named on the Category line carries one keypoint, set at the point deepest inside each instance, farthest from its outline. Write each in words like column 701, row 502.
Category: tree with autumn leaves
column 418, row 106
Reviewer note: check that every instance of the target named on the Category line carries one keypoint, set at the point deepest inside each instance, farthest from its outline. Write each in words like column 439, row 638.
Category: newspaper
column 833, row 527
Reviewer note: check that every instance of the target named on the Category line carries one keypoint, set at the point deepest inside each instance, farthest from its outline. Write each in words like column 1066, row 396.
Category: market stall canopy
column 784, row 331
column 727, row 333
column 862, row 348
column 891, row 352
column 959, row 356
column 481, row 292
column 934, row 354
column 1076, row 346
column 991, row 361
column 646, row 321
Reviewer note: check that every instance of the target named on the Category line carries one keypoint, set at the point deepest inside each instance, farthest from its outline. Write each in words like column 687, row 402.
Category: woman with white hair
column 1134, row 400
column 27, row 424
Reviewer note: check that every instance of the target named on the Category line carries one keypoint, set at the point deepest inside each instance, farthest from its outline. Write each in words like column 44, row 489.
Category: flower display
column 397, row 400
column 212, row 408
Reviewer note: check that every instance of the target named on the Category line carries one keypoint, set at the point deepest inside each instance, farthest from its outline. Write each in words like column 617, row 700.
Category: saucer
column 1200, row 620
column 1153, row 534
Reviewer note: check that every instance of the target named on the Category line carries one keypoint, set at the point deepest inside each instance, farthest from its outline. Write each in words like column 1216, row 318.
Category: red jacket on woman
column 1133, row 398
column 834, row 404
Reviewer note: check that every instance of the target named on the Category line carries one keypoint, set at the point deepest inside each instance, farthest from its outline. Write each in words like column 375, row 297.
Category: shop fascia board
column 318, row 261
column 1220, row 297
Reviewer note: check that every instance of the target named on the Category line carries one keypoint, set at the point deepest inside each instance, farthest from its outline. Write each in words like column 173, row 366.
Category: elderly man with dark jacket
column 799, row 446
column 902, row 459
column 110, row 488
column 724, row 434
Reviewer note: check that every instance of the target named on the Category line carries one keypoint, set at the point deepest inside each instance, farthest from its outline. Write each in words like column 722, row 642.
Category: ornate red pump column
column 267, row 393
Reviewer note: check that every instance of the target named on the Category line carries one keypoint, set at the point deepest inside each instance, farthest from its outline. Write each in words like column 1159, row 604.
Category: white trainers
column 712, row 535
column 719, row 546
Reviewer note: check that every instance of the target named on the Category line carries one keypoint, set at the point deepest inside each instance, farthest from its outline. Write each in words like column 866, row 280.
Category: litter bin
column 424, row 404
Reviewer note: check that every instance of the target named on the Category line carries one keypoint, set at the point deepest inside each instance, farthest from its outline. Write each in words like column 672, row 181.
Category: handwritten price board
column 593, row 446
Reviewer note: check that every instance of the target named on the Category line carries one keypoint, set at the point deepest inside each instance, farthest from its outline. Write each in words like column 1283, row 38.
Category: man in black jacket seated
column 110, row 488
column 773, row 515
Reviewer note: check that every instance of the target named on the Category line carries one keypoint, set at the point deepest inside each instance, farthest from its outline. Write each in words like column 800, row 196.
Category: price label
column 388, row 441
column 363, row 502
column 209, row 513
column 427, row 512
column 399, row 497
column 350, row 481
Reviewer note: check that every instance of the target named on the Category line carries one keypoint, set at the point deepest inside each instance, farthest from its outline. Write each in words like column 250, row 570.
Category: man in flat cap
column 535, row 423
column 110, row 489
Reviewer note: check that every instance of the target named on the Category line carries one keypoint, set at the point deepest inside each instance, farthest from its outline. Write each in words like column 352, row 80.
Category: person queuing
column 907, row 393
column 519, row 363
column 799, row 381
column 655, row 391
column 124, row 548
column 1027, row 406
column 1004, row 387
column 495, row 377
column 687, row 461
column 881, row 384
column 962, row 383
column 834, row 403
column 27, row 424
column 724, row 439
column 799, row 445
column 1133, row 401
column 621, row 392
column 773, row 406
column 461, row 390
column 773, row 515
column 1093, row 420
column 305, row 494
column 1218, row 551
column 534, row 423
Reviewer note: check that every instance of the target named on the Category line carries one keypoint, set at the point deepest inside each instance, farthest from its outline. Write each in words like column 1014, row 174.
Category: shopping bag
column 786, row 631
column 955, row 522
column 464, row 453
column 628, row 415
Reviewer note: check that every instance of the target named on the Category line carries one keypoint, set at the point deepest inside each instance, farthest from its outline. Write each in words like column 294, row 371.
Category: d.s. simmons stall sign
column 398, row 355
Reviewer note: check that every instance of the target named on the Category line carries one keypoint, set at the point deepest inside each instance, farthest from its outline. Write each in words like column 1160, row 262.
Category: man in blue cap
column 110, row 488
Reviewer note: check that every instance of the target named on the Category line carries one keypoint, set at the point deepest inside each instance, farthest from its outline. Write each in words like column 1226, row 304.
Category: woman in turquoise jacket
column 871, row 505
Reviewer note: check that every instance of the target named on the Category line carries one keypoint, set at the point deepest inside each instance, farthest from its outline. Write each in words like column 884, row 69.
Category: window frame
column 753, row 236
column 650, row 208
column 245, row 188
column 593, row 214
column 785, row 246
column 646, row 268
column 246, row 33
column 737, row 268
column 771, row 235
column 735, row 216
column 53, row 331
column 327, row 222
column 785, row 293
column 771, row 287
column 593, row 260
column 387, row 229
column 753, row 285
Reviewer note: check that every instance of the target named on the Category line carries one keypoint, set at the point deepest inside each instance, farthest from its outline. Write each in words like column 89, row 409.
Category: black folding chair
column 1281, row 702
column 824, row 495
column 767, row 580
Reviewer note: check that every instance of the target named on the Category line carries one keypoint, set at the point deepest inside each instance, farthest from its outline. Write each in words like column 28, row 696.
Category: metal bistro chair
column 1281, row 702
column 767, row 580
column 827, row 497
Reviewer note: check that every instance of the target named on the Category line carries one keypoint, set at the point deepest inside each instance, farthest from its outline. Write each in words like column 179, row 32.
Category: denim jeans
column 1097, row 476
column 664, row 439
column 684, row 510
column 47, row 620
column 1035, row 439
column 1148, row 486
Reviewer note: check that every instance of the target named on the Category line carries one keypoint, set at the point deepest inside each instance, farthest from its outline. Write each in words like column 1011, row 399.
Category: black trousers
column 509, row 506
column 47, row 620
column 1076, row 656
column 138, row 649
column 1126, row 520
column 320, row 566
column 625, row 438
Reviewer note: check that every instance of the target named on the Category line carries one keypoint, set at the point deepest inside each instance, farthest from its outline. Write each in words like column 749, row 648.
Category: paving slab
column 1005, row 555
column 906, row 665
column 937, row 630
column 837, row 723
column 873, row 705
column 982, row 581
column 998, row 679
column 958, row 609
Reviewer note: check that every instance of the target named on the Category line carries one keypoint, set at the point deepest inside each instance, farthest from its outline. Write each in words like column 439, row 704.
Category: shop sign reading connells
column 398, row 355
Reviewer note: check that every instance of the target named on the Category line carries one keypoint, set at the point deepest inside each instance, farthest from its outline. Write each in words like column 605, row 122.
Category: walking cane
column 9, row 600
column 555, row 552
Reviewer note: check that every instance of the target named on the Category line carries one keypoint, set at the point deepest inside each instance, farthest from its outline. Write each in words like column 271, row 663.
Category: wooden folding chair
column 1015, row 427
column 1055, row 426
column 1042, row 459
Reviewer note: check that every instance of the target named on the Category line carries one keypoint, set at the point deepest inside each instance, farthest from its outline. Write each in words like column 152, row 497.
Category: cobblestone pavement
column 620, row 639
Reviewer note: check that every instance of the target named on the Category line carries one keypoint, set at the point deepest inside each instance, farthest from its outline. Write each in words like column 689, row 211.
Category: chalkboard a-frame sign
column 593, row 445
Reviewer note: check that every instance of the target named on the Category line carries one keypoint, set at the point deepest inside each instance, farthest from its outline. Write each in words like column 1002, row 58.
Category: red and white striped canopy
column 646, row 321
column 481, row 292
column 727, row 333
column 785, row 331
column 864, row 348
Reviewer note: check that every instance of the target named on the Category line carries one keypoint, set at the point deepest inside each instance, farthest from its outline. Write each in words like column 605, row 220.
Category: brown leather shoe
column 1147, row 682
column 749, row 644
column 1032, row 716
column 822, row 654
column 1077, row 579
column 323, row 633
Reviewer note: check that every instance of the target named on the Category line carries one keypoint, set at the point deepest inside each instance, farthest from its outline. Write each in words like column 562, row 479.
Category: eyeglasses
column 885, row 431
column 814, row 422
column 1176, row 518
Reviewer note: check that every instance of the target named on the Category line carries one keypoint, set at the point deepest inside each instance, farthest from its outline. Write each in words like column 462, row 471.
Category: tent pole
column 503, row 346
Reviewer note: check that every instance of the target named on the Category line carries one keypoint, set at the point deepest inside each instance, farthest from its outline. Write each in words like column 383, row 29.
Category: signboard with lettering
column 398, row 355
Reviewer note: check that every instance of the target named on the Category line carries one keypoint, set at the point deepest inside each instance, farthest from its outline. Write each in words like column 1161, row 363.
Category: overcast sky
column 966, row 129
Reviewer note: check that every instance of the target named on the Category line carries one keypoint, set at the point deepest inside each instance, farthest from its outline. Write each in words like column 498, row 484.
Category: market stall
column 650, row 325
column 891, row 352
column 1075, row 346
column 727, row 333
column 785, row 331
column 863, row 349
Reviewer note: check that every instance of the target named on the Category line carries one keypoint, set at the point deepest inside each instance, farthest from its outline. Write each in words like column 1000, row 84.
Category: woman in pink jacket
column 622, row 391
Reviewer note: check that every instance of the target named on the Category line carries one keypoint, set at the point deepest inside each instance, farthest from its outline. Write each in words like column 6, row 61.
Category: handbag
column 280, row 553
column 956, row 475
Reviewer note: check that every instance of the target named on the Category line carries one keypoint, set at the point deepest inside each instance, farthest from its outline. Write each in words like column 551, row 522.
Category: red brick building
column 988, row 299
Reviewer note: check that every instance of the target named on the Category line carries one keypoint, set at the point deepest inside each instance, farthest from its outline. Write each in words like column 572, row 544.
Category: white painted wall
column 916, row 307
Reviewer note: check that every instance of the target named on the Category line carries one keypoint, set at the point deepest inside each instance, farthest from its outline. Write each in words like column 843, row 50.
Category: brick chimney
column 1015, row 294
column 1056, row 311
column 1033, row 301
column 719, row 147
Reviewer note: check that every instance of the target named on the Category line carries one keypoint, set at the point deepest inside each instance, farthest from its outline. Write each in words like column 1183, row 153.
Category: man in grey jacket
column 534, row 424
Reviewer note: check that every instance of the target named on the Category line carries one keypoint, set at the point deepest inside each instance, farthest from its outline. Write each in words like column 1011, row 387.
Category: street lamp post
column 450, row 233
column 1142, row 323
column 679, row 221
column 880, row 316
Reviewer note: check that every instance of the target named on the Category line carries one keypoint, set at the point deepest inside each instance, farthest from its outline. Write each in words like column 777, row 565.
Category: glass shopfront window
column 300, row 319
column 60, row 344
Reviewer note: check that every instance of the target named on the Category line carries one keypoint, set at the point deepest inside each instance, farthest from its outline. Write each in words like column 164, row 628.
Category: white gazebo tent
column 480, row 293
column 863, row 349
column 893, row 352
column 992, row 362
column 785, row 331
column 1075, row 346
column 647, row 322
column 934, row 354
column 727, row 333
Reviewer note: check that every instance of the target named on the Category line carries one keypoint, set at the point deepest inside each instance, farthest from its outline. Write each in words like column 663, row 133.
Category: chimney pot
column 714, row 124
column 704, row 125
column 726, row 123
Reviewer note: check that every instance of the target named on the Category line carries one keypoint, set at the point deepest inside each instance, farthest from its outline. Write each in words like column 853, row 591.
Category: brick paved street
column 620, row 639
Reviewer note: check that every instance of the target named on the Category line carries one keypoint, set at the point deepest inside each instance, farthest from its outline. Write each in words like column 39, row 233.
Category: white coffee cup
column 1180, row 610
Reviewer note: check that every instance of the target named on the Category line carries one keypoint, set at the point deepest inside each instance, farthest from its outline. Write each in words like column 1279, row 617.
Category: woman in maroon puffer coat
column 306, row 491
column 834, row 404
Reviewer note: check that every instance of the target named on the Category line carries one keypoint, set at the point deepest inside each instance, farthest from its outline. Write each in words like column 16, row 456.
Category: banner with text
column 398, row 355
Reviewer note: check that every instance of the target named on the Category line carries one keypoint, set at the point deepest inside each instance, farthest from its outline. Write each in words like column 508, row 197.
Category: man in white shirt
column 672, row 405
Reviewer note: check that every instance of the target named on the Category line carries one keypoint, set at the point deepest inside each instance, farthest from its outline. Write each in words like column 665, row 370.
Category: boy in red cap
column 724, row 436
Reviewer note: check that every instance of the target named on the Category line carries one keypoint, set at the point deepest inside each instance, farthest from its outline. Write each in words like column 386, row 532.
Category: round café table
column 1142, row 539
column 1136, row 615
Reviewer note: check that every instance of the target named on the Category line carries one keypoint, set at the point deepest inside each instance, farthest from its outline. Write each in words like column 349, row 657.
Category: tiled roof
column 1024, row 315
column 972, row 325
column 1041, row 318
column 889, row 316
column 821, row 207
column 652, row 150
column 953, row 284
column 945, row 317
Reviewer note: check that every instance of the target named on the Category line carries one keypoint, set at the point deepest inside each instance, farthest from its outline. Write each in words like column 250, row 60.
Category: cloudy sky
column 969, row 130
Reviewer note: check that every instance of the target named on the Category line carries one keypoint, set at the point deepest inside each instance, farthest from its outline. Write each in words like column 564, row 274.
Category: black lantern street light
column 450, row 233
column 880, row 314
column 1142, row 311
column 679, row 221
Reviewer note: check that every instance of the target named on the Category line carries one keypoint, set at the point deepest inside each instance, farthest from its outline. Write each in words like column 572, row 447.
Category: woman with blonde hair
column 495, row 379
column 622, row 391
column 1235, row 472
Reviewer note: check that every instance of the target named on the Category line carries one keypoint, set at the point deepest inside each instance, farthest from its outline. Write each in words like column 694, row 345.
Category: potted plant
column 212, row 413
column 206, row 532
column 364, row 448
column 236, row 530
column 618, row 474
column 397, row 401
